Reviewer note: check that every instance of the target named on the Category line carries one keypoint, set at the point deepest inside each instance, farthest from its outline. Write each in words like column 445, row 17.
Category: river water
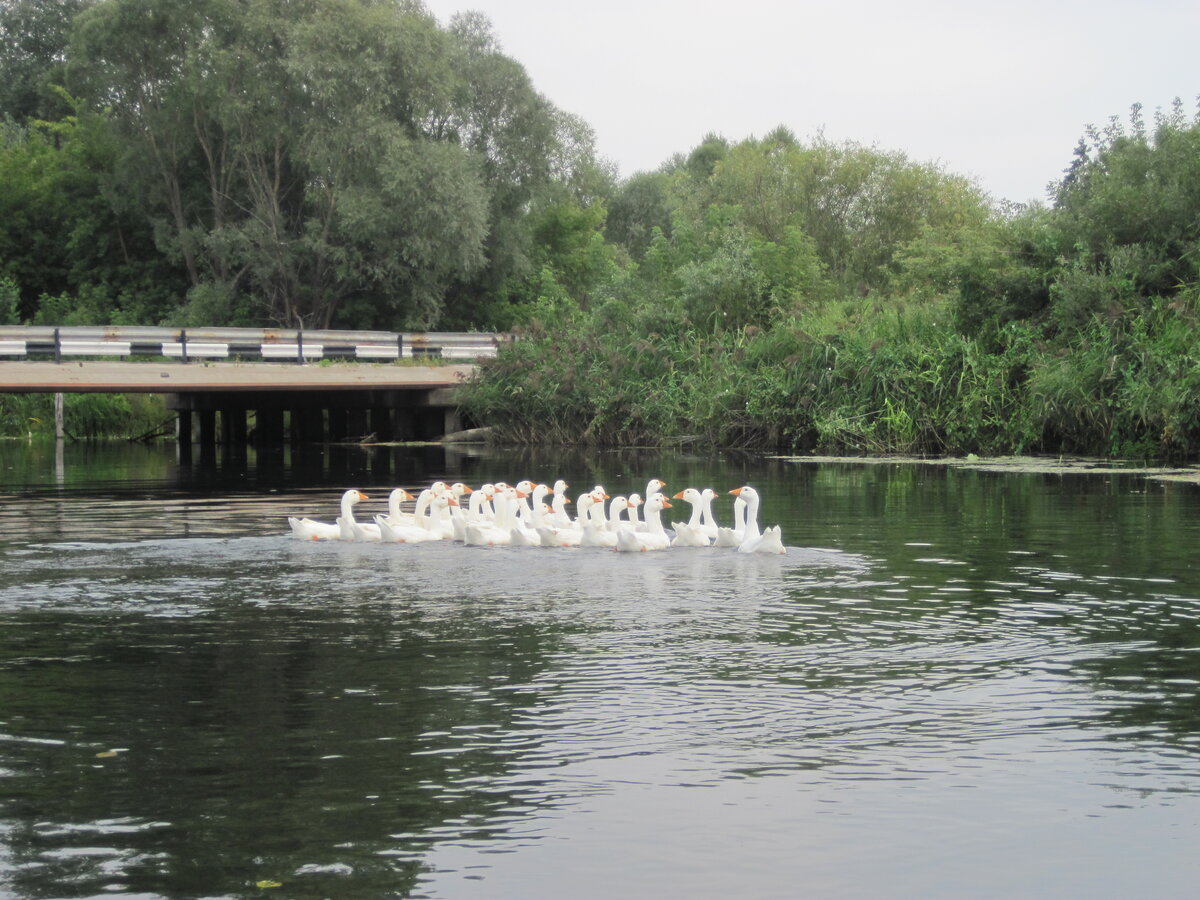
column 956, row 684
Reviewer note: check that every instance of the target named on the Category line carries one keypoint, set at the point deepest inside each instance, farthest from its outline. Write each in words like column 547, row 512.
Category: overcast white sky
column 1000, row 91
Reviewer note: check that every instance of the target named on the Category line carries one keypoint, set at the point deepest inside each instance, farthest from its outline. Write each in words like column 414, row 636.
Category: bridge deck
column 178, row 378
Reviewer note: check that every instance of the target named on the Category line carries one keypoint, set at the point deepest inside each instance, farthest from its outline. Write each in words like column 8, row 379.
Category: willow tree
column 319, row 162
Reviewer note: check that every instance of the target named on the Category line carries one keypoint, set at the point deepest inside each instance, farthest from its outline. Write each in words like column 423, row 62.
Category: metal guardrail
column 268, row 344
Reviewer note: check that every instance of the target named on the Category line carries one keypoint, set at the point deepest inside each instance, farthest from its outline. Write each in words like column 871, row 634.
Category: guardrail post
column 399, row 346
column 183, row 343
column 57, row 347
column 299, row 347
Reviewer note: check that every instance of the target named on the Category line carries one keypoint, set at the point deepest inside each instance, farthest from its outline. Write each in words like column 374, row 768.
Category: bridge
column 295, row 386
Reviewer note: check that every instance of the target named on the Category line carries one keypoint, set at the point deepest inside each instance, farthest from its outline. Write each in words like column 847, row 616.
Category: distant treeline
column 355, row 164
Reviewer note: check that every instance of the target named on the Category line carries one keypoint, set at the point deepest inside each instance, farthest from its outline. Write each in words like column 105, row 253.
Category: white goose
column 558, row 505
column 479, row 509
column 708, row 522
column 367, row 531
column 418, row 531
column 596, row 532
column 441, row 521
column 654, row 537
column 499, row 531
column 653, row 486
column 691, row 533
column 420, row 514
column 570, row 535
column 525, row 506
column 530, row 516
column 754, row 541
column 616, row 507
column 732, row 537
column 635, row 503
column 458, row 490
column 306, row 529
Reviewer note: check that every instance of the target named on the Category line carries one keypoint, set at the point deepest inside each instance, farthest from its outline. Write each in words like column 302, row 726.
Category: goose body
column 499, row 531
column 554, row 534
column 708, row 523
column 418, row 531
column 654, row 537
column 558, row 504
column 306, row 529
column 732, row 537
column 594, row 531
column 691, row 533
column 370, row 531
column 653, row 486
column 753, row 540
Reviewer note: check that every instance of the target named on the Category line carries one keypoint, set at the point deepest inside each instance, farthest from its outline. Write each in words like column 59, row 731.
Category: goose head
column 395, row 498
column 747, row 493
column 350, row 498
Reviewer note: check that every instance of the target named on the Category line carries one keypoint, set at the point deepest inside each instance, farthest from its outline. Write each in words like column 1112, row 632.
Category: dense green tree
column 326, row 162
column 638, row 206
column 529, row 151
column 65, row 232
column 1130, row 201
column 859, row 205
column 282, row 149
column 34, row 37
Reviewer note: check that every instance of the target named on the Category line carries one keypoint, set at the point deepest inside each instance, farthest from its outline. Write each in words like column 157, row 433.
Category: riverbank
column 1021, row 465
column 867, row 377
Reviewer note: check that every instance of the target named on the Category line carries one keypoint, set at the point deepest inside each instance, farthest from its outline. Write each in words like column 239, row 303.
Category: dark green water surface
column 956, row 684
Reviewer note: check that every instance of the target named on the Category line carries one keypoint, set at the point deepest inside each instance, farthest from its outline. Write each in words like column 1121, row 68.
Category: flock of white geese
column 535, row 515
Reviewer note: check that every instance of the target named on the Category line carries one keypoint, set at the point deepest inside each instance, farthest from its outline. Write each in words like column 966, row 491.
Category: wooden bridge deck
column 217, row 377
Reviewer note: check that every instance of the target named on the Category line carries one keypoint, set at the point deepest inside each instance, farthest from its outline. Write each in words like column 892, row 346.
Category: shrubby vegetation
column 87, row 416
column 821, row 298
column 356, row 164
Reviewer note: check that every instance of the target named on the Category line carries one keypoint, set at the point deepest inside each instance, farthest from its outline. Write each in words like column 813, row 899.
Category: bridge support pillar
column 269, row 428
column 183, row 436
column 238, row 427
column 337, row 424
column 208, row 428
column 183, row 427
column 308, row 425
column 233, row 426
